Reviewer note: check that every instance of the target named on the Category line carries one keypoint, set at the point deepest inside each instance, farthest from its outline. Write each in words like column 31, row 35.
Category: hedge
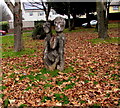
column 4, row 25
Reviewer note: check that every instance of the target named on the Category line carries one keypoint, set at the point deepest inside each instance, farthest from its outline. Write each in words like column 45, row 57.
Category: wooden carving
column 54, row 45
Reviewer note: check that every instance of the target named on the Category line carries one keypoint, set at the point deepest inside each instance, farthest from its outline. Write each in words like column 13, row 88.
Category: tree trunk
column 46, row 15
column 74, row 19
column 88, row 19
column 46, row 10
column 17, row 13
column 102, row 20
column 108, row 5
column 69, row 21
column 18, row 45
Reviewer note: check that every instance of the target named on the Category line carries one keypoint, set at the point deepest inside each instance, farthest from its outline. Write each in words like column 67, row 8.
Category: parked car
column 2, row 32
column 92, row 23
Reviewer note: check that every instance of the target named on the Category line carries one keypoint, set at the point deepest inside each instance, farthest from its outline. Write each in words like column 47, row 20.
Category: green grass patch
column 61, row 98
column 107, row 95
column 1, row 78
column 5, row 103
column 69, row 69
column 69, row 86
column 52, row 73
column 28, row 88
column 96, row 106
column 34, row 77
column 12, row 75
column 82, row 101
column 45, row 98
column 95, row 82
column 86, row 81
column 22, row 77
column 108, row 40
column 8, row 45
column 113, row 25
column 47, row 85
column 22, row 106
column 60, row 82
column 91, row 74
column 2, row 87
column 115, row 77
column 17, row 54
column 92, row 70
column 1, row 95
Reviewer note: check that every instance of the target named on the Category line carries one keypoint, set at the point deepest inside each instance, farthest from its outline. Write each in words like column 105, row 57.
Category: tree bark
column 102, row 20
column 17, row 13
column 88, row 19
column 108, row 5
column 69, row 21
column 74, row 19
column 18, row 44
column 46, row 10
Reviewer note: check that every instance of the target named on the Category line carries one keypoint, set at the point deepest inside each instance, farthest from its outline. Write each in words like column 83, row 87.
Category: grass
column 108, row 40
column 113, row 25
column 17, row 54
column 7, row 46
column 8, row 42
column 61, row 98
column 69, row 86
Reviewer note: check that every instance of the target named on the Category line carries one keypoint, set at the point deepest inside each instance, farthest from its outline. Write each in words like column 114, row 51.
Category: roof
column 115, row 3
column 32, row 6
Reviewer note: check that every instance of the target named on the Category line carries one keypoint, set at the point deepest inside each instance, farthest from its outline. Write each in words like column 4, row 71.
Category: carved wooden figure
column 54, row 45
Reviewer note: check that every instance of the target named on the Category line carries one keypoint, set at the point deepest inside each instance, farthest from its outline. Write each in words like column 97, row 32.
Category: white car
column 92, row 23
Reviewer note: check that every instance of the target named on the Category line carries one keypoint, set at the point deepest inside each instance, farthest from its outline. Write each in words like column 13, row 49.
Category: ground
column 90, row 77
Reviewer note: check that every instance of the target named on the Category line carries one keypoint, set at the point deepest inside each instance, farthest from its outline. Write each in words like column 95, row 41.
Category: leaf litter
column 91, row 76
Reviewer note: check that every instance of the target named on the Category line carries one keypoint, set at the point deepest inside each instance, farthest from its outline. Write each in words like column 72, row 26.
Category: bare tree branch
column 10, row 5
column 46, row 7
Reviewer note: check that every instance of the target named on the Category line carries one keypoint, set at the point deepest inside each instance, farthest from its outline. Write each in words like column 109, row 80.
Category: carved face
column 59, row 23
column 47, row 27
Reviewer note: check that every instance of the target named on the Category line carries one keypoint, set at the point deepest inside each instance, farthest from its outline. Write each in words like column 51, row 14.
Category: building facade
column 33, row 12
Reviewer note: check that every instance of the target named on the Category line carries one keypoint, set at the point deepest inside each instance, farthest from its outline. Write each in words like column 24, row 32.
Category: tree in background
column 74, row 8
column 63, row 8
column 4, row 13
column 102, row 19
column 17, row 13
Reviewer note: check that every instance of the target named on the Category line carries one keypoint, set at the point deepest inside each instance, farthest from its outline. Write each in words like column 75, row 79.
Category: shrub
column 4, row 25
column 38, row 32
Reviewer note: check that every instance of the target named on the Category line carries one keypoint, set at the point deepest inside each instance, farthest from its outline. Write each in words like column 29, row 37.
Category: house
column 114, row 6
column 34, row 12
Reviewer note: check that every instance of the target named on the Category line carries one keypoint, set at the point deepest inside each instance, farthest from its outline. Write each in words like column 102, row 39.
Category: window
column 31, row 14
column 115, row 7
column 41, row 14
column 54, row 13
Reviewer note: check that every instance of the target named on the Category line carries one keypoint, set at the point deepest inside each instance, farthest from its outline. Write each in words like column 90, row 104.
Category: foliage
column 38, row 32
column 4, row 25
column 79, row 8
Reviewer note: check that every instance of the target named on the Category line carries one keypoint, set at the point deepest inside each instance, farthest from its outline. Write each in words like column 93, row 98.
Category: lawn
column 90, row 78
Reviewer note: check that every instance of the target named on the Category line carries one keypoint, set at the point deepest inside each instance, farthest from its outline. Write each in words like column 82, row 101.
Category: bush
column 4, row 25
column 38, row 32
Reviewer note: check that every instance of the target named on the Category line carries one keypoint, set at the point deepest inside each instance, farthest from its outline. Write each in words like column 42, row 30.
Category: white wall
column 25, row 24
column 36, row 17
